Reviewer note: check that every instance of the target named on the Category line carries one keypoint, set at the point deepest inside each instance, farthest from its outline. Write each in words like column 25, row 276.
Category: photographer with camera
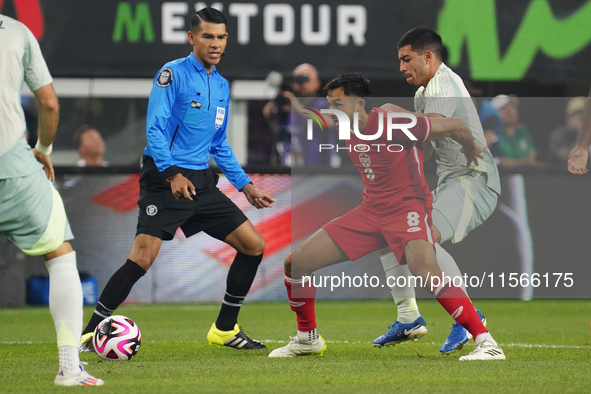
column 290, row 145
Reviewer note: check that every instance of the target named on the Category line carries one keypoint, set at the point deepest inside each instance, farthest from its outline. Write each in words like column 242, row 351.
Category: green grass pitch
column 547, row 342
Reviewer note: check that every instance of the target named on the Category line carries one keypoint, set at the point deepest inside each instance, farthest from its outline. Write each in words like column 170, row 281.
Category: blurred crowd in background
column 520, row 131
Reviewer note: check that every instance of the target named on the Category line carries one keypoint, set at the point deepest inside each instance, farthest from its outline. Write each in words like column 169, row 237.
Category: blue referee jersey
column 187, row 119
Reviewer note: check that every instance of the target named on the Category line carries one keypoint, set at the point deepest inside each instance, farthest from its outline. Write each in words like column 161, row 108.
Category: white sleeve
column 439, row 98
column 36, row 72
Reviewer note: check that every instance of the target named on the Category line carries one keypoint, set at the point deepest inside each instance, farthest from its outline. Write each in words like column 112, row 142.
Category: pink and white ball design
column 116, row 338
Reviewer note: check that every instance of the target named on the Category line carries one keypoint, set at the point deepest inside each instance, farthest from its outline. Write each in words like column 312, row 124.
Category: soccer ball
column 116, row 338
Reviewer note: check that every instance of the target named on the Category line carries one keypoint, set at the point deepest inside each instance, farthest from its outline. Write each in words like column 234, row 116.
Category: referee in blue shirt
column 186, row 123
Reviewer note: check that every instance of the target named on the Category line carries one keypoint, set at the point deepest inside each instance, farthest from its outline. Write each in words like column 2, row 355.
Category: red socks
column 455, row 301
column 301, row 300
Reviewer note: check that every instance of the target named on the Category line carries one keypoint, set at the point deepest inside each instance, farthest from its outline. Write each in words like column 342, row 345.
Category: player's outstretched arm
column 456, row 129
column 427, row 148
column 395, row 108
column 257, row 198
column 577, row 161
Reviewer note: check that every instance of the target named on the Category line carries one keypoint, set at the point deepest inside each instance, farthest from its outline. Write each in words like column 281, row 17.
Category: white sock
column 485, row 336
column 69, row 359
column 448, row 265
column 404, row 296
column 65, row 299
column 308, row 336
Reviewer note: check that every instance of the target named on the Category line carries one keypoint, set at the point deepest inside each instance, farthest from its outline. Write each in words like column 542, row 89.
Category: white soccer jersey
column 20, row 60
column 446, row 94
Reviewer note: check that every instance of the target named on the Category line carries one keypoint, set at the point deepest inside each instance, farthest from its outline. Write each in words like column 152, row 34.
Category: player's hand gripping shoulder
column 182, row 188
column 257, row 198
column 473, row 152
column 45, row 160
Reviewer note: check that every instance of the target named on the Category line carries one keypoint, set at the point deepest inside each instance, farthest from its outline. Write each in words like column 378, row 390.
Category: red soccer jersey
column 392, row 170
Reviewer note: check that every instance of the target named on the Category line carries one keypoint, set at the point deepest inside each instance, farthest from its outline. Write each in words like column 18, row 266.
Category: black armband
column 171, row 171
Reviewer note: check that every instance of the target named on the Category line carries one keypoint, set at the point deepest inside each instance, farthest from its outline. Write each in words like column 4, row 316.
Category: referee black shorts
column 160, row 214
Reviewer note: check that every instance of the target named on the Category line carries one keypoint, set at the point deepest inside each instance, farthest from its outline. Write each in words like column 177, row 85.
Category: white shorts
column 461, row 204
column 32, row 214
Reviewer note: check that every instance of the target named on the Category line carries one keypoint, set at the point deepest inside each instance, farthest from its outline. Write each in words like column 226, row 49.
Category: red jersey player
column 395, row 212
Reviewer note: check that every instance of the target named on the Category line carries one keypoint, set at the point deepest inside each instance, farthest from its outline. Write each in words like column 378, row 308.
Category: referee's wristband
column 44, row 150
column 171, row 171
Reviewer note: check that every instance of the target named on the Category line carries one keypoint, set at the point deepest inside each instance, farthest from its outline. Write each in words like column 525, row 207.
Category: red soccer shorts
column 365, row 229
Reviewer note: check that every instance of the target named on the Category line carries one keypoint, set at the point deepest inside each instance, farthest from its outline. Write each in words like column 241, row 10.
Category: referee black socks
column 115, row 292
column 240, row 277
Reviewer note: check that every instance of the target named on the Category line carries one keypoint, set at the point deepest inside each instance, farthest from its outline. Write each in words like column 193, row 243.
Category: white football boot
column 301, row 347
column 82, row 378
column 486, row 349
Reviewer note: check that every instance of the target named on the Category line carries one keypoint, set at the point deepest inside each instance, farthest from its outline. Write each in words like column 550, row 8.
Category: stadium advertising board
column 520, row 252
column 486, row 40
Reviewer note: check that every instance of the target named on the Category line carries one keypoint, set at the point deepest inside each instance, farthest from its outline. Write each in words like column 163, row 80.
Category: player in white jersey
column 465, row 196
column 32, row 214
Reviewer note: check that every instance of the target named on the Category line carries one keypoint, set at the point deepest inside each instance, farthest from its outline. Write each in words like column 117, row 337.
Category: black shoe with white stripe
column 86, row 343
column 242, row 341
column 235, row 338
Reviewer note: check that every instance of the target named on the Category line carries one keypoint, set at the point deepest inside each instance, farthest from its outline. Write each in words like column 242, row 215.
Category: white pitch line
column 524, row 345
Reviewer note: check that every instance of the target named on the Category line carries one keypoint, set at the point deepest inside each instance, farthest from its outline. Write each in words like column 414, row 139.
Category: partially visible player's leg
column 348, row 237
column 402, row 291
column 409, row 324
column 159, row 217
column 143, row 253
column 458, row 335
column 461, row 204
column 420, row 256
column 250, row 246
column 318, row 251
column 65, row 304
column 34, row 219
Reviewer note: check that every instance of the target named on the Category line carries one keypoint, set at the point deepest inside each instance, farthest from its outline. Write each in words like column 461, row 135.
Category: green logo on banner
column 475, row 23
column 133, row 25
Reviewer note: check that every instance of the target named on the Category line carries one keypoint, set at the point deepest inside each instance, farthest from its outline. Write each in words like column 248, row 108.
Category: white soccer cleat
column 82, row 378
column 486, row 349
column 296, row 348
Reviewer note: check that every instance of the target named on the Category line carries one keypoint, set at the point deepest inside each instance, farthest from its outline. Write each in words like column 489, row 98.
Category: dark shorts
column 160, row 214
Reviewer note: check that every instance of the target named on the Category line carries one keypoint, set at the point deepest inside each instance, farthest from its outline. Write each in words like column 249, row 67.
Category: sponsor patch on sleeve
column 164, row 78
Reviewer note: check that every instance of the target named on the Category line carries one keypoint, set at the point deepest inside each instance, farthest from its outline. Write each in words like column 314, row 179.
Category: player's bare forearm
column 456, row 129
column 48, row 114
column 257, row 198
column 395, row 108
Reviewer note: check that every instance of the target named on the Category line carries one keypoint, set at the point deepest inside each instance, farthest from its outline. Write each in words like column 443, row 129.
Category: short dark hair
column 207, row 14
column 422, row 38
column 353, row 84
